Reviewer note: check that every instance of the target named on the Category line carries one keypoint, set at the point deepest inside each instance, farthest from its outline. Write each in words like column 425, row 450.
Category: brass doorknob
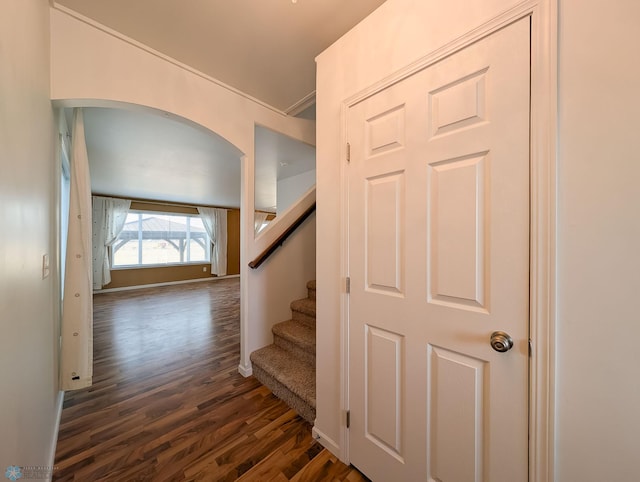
column 501, row 342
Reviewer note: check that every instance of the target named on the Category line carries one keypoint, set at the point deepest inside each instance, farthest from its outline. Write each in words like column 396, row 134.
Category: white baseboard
column 326, row 442
column 245, row 371
column 167, row 283
column 56, row 430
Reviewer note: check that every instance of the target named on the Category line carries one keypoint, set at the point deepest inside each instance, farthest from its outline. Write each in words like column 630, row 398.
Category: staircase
column 288, row 366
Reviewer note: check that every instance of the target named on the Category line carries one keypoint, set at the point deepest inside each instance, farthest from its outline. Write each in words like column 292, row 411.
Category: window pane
column 125, row 252
column 159, row 251
column 65, row 190
column 125, row 248
column 151, row 238
column 197, row 250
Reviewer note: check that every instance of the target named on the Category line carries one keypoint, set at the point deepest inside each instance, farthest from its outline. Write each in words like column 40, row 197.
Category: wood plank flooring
column 168, row 404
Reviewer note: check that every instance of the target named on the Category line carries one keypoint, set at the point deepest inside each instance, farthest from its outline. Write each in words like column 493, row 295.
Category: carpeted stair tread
column 300, row 378
column 304, row 306
column 297, row 333
column 297, row 378
column 287, row 367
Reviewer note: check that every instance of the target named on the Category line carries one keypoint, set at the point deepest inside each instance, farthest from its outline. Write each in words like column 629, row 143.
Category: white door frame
column 543, row 14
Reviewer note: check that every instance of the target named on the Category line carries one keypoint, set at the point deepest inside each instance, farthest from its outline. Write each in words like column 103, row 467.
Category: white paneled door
column 439, row 261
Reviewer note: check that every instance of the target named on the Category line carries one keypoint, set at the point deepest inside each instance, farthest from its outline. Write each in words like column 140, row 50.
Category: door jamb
column 542, row 302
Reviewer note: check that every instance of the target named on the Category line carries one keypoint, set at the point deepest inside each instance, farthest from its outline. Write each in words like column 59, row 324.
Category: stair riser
column 287, row 367
column 303, row 353
column 281, row 391
column 304, row 318
column 305, row 306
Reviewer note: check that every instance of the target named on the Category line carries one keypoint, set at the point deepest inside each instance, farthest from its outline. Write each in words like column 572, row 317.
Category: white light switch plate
column 45, row 266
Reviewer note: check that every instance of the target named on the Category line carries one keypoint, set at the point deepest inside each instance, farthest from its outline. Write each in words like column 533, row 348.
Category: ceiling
column 278, row 157
column 151, row 156
column 154, row 156
column 264, row 48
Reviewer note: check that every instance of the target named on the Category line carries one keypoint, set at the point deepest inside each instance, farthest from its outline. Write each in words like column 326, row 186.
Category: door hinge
column 530, row 348
column 348, row 418
column 347, row 285
column 348, row 152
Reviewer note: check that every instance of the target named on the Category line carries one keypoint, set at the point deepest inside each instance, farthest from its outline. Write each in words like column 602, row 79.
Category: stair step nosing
column 304, row 305
column 281, row 375
column 305, row 336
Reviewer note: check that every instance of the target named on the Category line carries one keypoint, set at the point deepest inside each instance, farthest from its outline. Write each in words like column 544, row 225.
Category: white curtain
column 215, row 223
column 109, row 216
column 76, row 363
column 258, row 219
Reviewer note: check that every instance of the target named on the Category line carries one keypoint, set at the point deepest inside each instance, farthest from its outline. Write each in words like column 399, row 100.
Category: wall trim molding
column 59, row 401
column 543, row 15
column 307, row 101
column 245, row 371
column 544, row 119
column 160, row 55
column 325, row 441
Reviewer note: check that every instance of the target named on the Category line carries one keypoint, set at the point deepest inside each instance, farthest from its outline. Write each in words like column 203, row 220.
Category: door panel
column 457, row 229
column 385, row 233
column 383, row 404
column 456, row 383
column 438, row 260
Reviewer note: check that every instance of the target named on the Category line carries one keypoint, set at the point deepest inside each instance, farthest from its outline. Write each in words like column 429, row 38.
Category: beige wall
column 121, row 278
column 29, row 307
column 598, row 326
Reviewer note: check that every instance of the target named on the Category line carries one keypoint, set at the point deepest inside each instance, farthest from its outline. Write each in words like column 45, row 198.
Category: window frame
column 140, row 239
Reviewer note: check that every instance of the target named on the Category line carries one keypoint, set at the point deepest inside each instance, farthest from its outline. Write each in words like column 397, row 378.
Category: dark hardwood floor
column 168, row 403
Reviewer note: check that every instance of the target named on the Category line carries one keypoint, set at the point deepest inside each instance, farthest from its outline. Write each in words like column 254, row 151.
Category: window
column 151, row 238
column 263, row 225
column 65, row 193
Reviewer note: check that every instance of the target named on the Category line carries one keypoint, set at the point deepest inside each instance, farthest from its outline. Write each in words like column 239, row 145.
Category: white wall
column 598, row 325
column 396, row 34
column 290, row 189
column 283, row 277
column 92, row 65
column 28, row 304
